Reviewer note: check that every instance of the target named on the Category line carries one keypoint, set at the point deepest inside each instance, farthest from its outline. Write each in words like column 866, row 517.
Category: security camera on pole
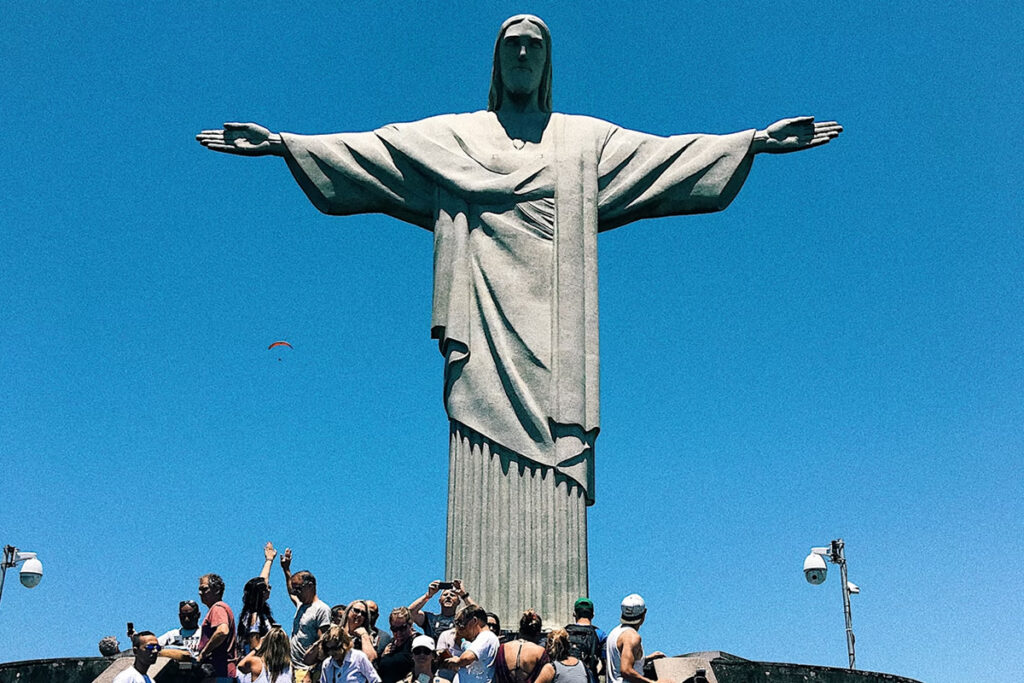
column 815, row 571
column 31, row 572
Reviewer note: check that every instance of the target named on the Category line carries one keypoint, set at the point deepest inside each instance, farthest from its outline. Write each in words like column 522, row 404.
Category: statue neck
column 527, row 125
column 520, row 103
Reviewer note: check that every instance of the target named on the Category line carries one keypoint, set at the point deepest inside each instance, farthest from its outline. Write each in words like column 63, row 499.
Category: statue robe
column 515, row 253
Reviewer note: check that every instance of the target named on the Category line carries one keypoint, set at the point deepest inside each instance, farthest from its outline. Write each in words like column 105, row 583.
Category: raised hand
column 245, row 139
column 268, row 552
column 286, row 559
column 793, row 135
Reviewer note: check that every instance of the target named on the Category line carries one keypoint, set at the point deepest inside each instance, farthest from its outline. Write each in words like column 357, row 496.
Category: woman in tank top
column 521, row 660
column 271, row 662
column 563, row 667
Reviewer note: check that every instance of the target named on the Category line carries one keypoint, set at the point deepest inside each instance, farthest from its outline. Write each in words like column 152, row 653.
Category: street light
column 815, row 571
column 31, row 572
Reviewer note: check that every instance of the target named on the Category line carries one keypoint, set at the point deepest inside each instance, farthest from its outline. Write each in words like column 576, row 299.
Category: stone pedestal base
column 722, row 667
column 516, row 537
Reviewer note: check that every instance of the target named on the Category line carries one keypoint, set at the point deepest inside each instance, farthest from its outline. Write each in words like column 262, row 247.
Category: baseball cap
column 585, row 603
column 633, row 609
column 423, row 641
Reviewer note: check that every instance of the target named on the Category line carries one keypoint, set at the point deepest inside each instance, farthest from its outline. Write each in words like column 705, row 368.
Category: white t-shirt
column 447, row 641
column 181, row 638
column 485, row 646
column 264, row 677
column 132, row 675
column 355, row 668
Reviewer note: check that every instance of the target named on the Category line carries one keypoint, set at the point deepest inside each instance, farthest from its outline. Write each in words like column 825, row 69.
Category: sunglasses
column 152, row 648
column 400, row 627
column 422, row 651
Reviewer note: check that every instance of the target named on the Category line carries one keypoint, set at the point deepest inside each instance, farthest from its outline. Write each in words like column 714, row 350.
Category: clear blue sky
column 840, row 353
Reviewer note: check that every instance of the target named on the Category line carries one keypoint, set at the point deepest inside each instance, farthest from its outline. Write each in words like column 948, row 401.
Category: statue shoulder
column 442, row 123
column 582, row 121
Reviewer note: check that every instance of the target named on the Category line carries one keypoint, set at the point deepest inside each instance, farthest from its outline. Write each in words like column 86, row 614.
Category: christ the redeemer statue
column 515, row 196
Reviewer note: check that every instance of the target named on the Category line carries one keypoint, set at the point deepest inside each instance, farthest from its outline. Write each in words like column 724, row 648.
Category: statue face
column 523, row 56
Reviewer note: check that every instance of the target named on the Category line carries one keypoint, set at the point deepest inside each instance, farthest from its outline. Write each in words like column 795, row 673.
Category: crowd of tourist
column 342, row 644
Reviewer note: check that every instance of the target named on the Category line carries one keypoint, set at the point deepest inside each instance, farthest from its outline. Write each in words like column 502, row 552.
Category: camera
column 815, row 569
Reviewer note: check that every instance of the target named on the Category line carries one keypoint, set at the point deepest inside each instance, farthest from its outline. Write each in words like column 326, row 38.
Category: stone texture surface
column 516, row 538
column 66, row 670
column 722, row 667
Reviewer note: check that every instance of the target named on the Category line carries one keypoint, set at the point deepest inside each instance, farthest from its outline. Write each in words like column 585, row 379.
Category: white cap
column 633, row 609
column 423, row 641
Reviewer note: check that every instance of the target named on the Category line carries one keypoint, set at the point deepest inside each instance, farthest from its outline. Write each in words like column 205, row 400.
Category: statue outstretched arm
column 793, row 135
column 245, row 139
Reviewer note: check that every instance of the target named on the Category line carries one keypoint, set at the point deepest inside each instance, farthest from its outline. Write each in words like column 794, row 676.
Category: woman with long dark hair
column 255, row 619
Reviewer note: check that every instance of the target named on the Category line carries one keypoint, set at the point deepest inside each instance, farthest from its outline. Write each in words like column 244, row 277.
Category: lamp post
column 31, row 572
column 815, row 570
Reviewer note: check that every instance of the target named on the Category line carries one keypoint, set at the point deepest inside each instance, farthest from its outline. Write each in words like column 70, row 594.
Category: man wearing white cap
column 624, row 649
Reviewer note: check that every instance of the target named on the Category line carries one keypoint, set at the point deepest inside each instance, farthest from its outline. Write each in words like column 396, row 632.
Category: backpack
column 584, row 644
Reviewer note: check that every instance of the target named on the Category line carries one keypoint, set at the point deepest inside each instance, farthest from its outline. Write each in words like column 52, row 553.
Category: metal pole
column 9, row 552
column 839, row 558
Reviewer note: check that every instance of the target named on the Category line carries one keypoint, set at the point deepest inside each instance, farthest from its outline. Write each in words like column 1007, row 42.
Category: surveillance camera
column 815, row 569
column 31, row 573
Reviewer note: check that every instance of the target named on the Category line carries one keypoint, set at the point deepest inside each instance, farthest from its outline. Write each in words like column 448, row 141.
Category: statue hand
column 246, row 139
column 793, row 135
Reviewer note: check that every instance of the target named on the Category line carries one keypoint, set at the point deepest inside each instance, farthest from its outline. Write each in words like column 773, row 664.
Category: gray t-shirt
column 306, row 625
column 435, row 624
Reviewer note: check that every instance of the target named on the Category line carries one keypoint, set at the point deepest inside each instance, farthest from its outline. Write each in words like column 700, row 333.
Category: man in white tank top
column 624, row 649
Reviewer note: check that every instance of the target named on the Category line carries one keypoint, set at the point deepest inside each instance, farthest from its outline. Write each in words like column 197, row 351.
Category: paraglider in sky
column 279, row 343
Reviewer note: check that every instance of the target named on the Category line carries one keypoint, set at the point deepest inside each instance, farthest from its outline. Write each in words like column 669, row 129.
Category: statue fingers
column 817, row 141
column 220, row 147
column 827, row 127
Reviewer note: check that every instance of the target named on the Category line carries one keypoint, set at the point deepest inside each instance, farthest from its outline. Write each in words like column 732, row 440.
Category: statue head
column 520, row 77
